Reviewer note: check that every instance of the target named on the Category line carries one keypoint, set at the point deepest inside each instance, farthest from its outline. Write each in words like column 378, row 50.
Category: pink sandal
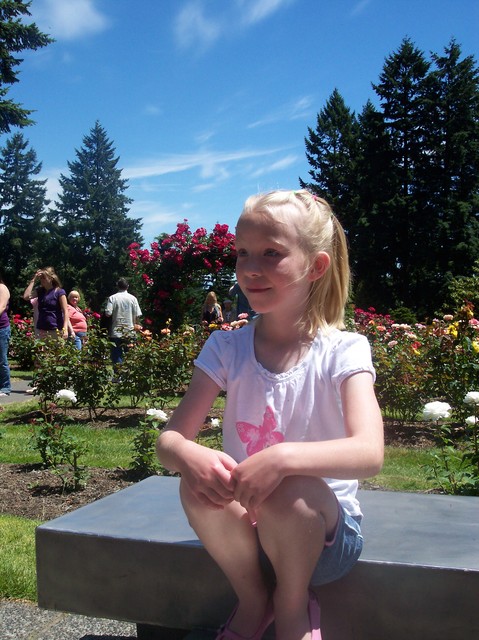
column 225, row 633
column 314, row 616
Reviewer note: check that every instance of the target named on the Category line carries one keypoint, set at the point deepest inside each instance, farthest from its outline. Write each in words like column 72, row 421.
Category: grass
column 17, row 558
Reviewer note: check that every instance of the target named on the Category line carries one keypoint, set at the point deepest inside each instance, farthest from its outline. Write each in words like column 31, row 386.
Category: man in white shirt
column 124, row 310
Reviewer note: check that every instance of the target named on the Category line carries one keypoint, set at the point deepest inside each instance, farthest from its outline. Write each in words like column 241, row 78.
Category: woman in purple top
column 52, row 307
column 5, row 386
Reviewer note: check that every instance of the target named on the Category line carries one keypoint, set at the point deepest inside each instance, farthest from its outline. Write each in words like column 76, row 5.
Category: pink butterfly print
column 259, row 438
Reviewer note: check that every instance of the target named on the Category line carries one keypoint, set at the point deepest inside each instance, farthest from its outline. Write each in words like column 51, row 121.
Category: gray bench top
column 399, row 528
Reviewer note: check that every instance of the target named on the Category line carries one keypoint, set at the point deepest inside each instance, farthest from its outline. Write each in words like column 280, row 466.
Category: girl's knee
column 300, row 496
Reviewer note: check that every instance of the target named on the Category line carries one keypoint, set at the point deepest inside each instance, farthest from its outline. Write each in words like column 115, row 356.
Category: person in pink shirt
column 77, row 322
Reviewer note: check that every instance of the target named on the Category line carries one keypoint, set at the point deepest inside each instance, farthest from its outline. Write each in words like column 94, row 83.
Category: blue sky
column 209, row 101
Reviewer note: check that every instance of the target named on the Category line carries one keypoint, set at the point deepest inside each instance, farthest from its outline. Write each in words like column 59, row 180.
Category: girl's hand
column 257, row 477
column 207, row 473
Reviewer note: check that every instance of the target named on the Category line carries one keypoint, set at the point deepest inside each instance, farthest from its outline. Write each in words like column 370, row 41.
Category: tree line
column 403, row 177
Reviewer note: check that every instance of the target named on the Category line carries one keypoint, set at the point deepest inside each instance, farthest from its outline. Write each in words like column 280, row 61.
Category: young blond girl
column 301, row 422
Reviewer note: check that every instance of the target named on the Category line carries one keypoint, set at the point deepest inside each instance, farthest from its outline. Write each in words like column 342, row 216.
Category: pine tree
column 402, row 90
column 90, row 224
column 22, row 206
column 15, row 36
column 454, row 172
column 372, row 247
column 331, row 151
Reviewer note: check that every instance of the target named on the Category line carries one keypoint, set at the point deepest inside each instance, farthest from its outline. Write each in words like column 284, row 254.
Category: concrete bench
column 132, row 556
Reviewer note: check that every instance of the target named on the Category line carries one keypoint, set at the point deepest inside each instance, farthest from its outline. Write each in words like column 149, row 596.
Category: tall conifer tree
column 15, row 36
column 22, row 206
column 90, row 223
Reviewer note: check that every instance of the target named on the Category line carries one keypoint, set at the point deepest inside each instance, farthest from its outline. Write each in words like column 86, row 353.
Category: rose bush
column 173, row 275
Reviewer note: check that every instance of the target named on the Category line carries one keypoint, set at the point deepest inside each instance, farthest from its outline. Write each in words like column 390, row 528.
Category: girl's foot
column 225, row 633
column 314, row 616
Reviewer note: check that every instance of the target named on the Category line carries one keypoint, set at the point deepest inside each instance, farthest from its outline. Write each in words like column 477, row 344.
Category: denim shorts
column 341, row 552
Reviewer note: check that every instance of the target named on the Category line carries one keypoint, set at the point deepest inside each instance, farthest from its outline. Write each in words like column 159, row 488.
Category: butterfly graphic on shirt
column 260, row 437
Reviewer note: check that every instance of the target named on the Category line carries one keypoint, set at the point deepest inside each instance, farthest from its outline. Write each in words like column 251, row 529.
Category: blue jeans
column 117, row 350
column 78, row 339
column 5, row 386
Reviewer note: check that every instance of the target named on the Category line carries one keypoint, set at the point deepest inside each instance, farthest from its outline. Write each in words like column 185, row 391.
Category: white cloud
column 279, row 165
column 360, row 7
column 300, row 108
column 69, row 19
column 254, row 11
column 194, row 29
column 152, row 110
column 207, row 162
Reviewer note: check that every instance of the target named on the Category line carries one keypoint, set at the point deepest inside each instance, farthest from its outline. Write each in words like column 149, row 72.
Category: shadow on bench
column 132, row 556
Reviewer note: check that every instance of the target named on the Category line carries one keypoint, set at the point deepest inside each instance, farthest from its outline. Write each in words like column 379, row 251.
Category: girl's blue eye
column 271, row 252
column 240, row 252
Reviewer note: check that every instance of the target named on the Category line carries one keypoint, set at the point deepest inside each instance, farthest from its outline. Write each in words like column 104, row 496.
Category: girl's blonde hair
column 318, row 231
column 211, row 298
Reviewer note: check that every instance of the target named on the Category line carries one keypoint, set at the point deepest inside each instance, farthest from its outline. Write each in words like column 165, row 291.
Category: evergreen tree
column 90, row 225
column 15, row 36
column 331, row 152
column 372, row 247
column 22, row 205
column 403, row 94
column 454, row 169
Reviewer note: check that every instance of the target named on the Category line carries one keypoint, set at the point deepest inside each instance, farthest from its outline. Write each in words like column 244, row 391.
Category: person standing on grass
column 5, row 384
column 52, row 313
column 301, row 422
column 125, row 312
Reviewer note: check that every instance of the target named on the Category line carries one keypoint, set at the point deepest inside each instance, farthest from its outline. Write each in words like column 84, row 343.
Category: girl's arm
column 28, row 293
column 4, row 297
column 66, row 319
column 206, row 471
column 358, row 455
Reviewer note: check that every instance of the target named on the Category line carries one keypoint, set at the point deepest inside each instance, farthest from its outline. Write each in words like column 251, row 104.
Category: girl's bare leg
column 232, row 541
column 292, row 527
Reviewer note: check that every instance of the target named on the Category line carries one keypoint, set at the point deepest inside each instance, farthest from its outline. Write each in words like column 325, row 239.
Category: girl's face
column 45, row 281
column 74, row 299
column 271, row 268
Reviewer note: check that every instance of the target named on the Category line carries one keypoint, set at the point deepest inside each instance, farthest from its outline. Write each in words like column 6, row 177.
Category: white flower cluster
column 472, row 398
column 157, row 414
column 442, row 410
column 66, row 394
column 436, row 410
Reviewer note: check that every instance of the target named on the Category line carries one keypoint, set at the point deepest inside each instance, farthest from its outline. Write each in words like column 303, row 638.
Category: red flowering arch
column 178, row 269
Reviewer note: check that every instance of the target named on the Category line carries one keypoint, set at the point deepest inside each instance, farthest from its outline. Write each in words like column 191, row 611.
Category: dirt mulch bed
column 32, row 492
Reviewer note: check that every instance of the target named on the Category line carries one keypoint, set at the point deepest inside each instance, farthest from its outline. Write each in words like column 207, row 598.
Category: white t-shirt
column 124, row 310
column 299, row 405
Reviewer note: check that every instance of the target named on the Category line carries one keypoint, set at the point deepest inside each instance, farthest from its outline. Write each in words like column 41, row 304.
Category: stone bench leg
column 152, row 632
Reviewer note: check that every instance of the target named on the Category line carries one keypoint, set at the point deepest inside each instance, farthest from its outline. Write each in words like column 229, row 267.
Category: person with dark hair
column 124, row 310
column 5, row 385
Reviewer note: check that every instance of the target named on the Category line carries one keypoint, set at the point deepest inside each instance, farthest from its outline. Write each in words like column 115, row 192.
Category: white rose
column 436, row 410
column 215, row 422
column 157, row 414
column 472, row 421
column 66, row 394
column 472, row 397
